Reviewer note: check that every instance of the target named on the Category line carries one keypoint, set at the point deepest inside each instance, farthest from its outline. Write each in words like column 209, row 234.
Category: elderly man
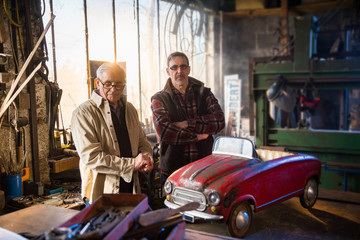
column 109, row 139
column 186, row 114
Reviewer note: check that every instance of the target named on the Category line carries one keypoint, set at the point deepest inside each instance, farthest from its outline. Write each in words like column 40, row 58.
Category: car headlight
column 168, row 187
column 214, row 198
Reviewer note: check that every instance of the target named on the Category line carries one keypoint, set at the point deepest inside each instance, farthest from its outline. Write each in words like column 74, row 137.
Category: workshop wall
column 16, row 46
column 245, row 38
column 250, row 37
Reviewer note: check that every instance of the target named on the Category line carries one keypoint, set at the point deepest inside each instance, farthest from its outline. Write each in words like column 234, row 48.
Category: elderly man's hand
column 143, row 162
column 149, row 163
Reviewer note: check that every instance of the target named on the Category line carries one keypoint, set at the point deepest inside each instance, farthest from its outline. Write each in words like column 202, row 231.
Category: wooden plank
column 343, row 165
column 36, row 219
column 63, row 164
column 255, row 12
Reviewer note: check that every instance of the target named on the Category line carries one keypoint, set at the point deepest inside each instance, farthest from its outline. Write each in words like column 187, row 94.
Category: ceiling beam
column 292, row 10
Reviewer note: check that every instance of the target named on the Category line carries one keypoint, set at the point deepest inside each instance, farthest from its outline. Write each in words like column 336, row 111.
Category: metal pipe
column 22, row 70
column 114, row 30
column 346, row 110
column 139, row 59
column 221, row 59
column 7, row 104
column 87, row 51
column 158, row 38
column 53, row 42
column 316, row 79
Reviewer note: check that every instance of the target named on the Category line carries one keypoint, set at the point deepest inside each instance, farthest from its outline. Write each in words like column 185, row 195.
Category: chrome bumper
column 191, row 215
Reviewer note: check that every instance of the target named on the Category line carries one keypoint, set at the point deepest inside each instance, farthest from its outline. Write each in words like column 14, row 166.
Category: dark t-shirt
column 118, row 118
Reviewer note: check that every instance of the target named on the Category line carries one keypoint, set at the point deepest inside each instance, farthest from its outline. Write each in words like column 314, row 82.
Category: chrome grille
column 183, row 196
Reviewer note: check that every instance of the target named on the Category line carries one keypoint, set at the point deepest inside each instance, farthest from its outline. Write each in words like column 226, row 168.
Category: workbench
column 38, row 219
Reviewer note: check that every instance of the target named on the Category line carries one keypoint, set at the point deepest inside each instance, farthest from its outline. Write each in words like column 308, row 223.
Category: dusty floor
column 328, row 219
column 335, row 215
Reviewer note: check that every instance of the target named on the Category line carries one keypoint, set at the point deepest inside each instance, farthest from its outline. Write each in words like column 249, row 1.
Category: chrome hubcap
column 242, row 220
column 311, row 192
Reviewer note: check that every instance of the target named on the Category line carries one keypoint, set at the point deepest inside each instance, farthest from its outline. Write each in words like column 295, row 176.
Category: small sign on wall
column 232, row 96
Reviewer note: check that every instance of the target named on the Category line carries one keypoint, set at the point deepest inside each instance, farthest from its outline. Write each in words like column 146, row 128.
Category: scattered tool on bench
column 152, row 217
column 153, row 230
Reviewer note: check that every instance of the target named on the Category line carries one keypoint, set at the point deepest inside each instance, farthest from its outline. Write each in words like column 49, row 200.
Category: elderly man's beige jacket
column 97, row 145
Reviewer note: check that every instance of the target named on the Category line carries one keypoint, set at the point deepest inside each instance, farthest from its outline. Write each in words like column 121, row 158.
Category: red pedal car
column 238, row 180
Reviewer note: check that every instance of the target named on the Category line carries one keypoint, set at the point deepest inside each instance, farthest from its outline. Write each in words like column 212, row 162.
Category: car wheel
column 309, row 197
column 240, row 219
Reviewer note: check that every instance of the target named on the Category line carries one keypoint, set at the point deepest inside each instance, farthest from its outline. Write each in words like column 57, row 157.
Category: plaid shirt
column 169, row 133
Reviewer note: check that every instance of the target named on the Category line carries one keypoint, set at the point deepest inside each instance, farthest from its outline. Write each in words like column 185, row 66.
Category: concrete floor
column 328, row 219
column 335, row 215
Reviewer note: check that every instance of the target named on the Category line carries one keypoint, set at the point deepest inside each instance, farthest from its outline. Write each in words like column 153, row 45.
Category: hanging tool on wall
column 54, row 97
column 11, row 165
column 10, row 97
column 309, row 100
column 18, row 123
column 281, row 95
column 282, row 100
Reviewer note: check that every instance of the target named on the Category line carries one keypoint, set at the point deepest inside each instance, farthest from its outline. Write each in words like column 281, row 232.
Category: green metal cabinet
column 330, row 146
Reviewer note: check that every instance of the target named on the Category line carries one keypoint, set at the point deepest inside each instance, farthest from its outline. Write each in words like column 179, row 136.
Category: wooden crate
column 63, row 164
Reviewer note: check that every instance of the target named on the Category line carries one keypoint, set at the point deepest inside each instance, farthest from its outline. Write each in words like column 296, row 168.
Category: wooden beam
column 255, row 12
column 322, row 6
column 293, row 10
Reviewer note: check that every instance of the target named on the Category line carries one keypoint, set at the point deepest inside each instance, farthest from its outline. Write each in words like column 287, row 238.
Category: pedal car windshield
column 234, row 146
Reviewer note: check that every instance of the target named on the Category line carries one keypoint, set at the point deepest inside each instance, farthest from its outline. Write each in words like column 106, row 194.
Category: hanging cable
column 16, row 61
column 282, row 50
column 166, row 20
column 19, row 28
column 43, row 13
column 18, row 25
column 9, row 17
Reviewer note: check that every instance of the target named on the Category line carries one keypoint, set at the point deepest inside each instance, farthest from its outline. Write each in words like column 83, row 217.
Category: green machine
column 310, row 103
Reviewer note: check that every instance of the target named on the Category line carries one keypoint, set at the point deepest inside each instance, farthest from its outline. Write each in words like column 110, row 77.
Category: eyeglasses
column 108, row 85
column 176, row 67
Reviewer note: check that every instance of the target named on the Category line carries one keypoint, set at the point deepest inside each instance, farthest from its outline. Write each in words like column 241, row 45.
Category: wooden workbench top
column 36, row 219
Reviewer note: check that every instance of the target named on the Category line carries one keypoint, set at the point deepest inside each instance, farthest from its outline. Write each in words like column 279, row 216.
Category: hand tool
column 152, row 217
column 107, row 223
column 154, row 229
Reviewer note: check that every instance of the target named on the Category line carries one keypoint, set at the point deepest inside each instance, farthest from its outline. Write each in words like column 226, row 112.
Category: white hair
column 113, row 67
